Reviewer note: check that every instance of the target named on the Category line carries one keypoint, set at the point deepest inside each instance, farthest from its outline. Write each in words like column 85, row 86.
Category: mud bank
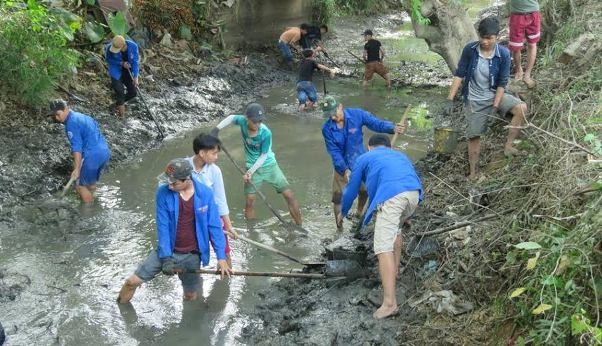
column 35, row 160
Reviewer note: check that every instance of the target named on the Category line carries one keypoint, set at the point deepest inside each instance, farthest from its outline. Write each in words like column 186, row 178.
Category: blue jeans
column 286, row 51
column 306, row 90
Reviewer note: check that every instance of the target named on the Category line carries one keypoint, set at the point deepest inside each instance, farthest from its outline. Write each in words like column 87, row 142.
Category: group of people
column 191, row 206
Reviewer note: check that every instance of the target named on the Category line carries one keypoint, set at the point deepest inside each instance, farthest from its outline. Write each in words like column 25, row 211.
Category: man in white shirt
column 206, row 149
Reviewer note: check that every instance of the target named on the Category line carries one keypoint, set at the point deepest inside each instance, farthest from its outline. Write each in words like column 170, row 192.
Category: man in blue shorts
column 260, row 159
column 88, row 146
column 187, row 221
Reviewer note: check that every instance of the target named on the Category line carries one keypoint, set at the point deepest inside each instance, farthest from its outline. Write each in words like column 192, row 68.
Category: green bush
column 34, row 57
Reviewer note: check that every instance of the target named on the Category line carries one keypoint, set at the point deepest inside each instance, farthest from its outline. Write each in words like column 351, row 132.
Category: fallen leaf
column 517, row 292
column 528, row 245
column 532, row 262
column 541, row 309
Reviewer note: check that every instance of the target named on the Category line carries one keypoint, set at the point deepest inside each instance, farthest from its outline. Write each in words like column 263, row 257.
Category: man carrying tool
column 123, row 64
column 374, row 55
column 187, row 221
column 206, row 150
column 313, row 36
column 290, row 38
column 483, row 73
column 260, row 159
column 344, row 141
column 524, row 21
column 395, row 190
column 306, row 90
column 88, row 146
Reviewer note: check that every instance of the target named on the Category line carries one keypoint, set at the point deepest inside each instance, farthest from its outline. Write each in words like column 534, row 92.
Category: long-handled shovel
column 357, row 57
column 279, row 252
column 263, row 197
column 148, row 110
column 66, row 188
column 271, row 274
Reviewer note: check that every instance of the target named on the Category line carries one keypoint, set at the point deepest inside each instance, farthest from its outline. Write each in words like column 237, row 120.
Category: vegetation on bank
column 35, row 57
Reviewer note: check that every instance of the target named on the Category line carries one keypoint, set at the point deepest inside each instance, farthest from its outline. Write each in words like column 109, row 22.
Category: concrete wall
column 259, row 23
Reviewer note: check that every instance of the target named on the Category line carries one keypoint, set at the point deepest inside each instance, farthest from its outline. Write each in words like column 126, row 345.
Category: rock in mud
column 11, row 285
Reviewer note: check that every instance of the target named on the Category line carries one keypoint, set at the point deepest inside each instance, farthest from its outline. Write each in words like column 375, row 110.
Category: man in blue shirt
column 122, row 60
column 483, row 73
column 344, row 141
column 88, row 146
column 395, row 190
column 187, row 221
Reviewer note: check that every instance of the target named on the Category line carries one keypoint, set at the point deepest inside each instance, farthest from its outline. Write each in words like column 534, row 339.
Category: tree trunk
column 449, row 31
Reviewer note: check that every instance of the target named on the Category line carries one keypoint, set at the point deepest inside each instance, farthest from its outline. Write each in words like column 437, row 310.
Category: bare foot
column 301, row 108
column 385, row 311
column 530, row 82
column 518, row 75
column 512, row 151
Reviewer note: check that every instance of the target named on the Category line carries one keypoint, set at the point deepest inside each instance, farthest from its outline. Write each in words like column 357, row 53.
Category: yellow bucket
column 446, row 140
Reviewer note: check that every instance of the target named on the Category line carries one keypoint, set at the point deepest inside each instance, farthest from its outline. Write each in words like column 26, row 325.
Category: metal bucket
column 446, row 140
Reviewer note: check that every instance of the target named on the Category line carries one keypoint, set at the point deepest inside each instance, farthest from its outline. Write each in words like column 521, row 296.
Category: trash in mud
column 443, row 301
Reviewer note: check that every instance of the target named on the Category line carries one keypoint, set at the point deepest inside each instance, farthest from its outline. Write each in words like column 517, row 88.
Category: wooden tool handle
column 402, row 120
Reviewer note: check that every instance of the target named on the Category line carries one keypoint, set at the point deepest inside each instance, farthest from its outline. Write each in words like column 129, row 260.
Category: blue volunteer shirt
column 208, row 225
column 346, row 144
column 84, row 135
column 386, row 173
column 114, row 60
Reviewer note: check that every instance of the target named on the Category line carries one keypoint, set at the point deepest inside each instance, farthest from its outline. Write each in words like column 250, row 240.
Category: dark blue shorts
column 306, row 90
column 92, row 167
column 151, row 266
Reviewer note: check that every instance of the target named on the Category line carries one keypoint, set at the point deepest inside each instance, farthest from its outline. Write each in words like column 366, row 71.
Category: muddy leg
column 397, row 252
column 474, row 151
column 190, row 295
column 518, row 118
column 85, row 194
column 531, row 54
column 337, row 210
column 388, row 80
column 293, row 206
column 250, row 207
column 128, row 289
column 386, row 268
column 518, row 70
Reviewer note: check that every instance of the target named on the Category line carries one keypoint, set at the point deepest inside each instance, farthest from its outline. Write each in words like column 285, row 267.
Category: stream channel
column 76, row 268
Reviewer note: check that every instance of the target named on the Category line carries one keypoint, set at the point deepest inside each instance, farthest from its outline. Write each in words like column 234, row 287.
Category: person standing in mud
column 374, row 56
column 187, row 221
column 88, row 146
column 344, row 140
column 290, row 38
column 524, row 21
column 483, row 73
column 260, row 159
column 206, row 150
column 395, row 191
column 306, row 90
column 124, row 68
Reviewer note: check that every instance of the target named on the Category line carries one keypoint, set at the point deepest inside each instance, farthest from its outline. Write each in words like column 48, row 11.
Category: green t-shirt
column 255, row 146
column 523, row 6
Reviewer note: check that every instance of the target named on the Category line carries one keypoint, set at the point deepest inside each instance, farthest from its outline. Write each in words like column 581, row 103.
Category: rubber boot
column 127, row 293
column 121, row 110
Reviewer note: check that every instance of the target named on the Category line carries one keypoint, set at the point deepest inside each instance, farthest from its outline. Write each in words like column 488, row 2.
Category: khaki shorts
column 339, row 184
column 478, row 114
column 375, row 66
column 390, row 218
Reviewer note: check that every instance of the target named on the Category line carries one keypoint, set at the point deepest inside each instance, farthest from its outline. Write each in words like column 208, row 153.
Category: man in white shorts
column 394, row 191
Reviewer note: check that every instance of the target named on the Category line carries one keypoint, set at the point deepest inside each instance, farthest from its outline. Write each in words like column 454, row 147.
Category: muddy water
column 76, row 259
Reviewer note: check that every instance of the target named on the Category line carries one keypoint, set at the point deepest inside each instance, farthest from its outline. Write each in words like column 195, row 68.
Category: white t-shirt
column 211, row 176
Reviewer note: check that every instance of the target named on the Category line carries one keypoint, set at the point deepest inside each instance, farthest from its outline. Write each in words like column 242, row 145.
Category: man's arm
column 338, row 161
column 227, row 121
column 365, row 55
column 353, row 187
column 164, row 246
column 455, row 86
column 326, row 68
column 77, row 164
column 382, row 53
column 375, row 124
column 134, row 60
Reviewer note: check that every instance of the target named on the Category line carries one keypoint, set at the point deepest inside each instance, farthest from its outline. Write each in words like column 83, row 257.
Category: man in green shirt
column 260, row 159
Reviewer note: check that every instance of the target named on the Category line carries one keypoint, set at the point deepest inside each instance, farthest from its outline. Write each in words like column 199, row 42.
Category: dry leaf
column 517, row 292
column 541, row 309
